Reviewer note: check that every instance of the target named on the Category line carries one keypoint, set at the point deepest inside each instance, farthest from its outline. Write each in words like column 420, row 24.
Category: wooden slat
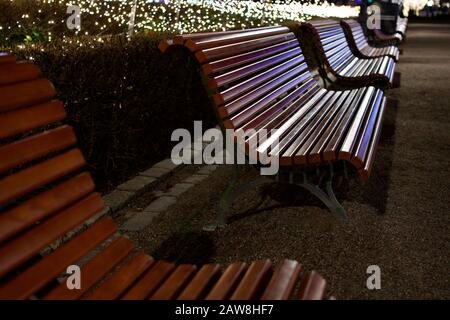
column 44, row 204
column 36, row 146
column 313, row 287
column 330, row 151
column 17, row 72
column 164, row 45
column 175, row 283
column 253, row 281
column 22, row 120
column 25, row 94
column 181, row 39
column 29, row 179
column 6, row 58
column 256, row 67
column 121, row 279
column 149, row 282
column 29, row 244
column 207, row 55
column 227, row 38
column 351, row 137
column 247, row 58
column 197, row 288
column 362, row 147
column 364, row 172
column 283, row 281
column 94, row 270
column 227, row 282
column 47, row 269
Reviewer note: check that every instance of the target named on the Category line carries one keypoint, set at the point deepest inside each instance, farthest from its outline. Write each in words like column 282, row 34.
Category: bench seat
column 51, row 218
column 259, row 79
column 339, row 62
column 361, row 47
column 402, row 25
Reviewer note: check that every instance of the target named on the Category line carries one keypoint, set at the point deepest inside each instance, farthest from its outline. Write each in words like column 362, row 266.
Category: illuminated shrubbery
column 105, row 17
column 118, row 91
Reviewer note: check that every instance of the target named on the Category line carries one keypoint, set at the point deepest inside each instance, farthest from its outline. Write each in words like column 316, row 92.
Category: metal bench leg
column 327, row 197
column 229, row 196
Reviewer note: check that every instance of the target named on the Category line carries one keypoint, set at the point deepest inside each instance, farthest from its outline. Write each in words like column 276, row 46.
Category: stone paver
column 117, row 199
column 166, row 164
column 206, row 170
column 137, row 184
column 195, row 178
column 139, row 221
column 161, row 204
column 154, row 172
column 179, row 188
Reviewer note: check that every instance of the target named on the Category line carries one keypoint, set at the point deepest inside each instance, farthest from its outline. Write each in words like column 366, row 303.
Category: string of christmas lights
column 107, row 17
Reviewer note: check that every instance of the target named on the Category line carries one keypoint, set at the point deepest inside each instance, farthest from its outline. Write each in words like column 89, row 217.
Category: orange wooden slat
column 7, row 58
column 29, row 179
column 29, row 244
column 24, row 94
column 36, row 146
column 18, row 121
column 313, row 287
column 94, row 270
column 22, row 120
column 283, row 281
column 164, row 45
column 121, row 279
column 210, row 54
column 253, row 280
column 227, row 282
column 149, row 282
column 47, row 269
column 44, row 204
column 180, row 39
column 226, row 38
column 175, row 283
column 200, row 283
column 17, row 72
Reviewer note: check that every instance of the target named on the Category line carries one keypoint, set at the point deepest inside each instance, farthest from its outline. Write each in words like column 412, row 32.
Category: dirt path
column 399, row 220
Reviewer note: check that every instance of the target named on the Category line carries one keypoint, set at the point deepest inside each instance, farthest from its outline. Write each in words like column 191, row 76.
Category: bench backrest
column 44, row 191
column 355, row 33
column 51, row 218
column 257, row 77
column 334, row 48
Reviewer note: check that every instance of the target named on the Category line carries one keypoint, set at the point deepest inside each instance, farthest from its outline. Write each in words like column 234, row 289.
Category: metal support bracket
column 327, row 196
column 229, row 196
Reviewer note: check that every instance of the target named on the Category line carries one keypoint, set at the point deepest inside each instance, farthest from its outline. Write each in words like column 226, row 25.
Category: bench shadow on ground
column 373, row 192
column 192, row 247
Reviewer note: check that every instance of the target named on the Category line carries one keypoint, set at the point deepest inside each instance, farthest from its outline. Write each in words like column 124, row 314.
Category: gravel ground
column 399, row 220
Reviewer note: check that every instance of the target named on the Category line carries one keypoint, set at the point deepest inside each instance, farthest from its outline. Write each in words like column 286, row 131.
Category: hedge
column 124, row 99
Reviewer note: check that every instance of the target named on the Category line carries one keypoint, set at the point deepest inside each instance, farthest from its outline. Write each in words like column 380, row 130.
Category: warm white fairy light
column 103, row 17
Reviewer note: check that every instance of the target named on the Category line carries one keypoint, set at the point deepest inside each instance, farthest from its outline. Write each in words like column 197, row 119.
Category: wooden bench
column 361, row 47
column 338, row 63
column 402, row 25
column 392, row 39
column 259, row 79
column 46, row 196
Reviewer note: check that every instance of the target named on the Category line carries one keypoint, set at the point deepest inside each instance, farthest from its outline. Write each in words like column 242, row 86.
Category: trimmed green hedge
column 124, row 99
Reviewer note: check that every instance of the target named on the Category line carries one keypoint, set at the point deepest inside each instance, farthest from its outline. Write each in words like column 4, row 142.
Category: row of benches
column 46, row 196
column 260, row 79
column 396, row 38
